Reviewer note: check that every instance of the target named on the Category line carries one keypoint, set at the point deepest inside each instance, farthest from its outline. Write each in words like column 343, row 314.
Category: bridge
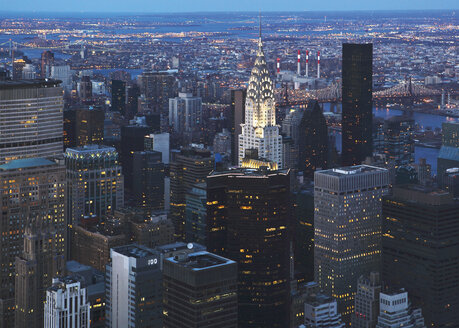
column 62, row 46
column 405, row 91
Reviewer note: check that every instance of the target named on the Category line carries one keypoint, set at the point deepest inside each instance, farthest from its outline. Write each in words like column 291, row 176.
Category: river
column 424, row 120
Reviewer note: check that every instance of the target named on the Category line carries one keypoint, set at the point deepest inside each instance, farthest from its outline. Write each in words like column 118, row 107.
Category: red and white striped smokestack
column 318, row 64
column 307, row 63
column 278, row 66
column 299, row 63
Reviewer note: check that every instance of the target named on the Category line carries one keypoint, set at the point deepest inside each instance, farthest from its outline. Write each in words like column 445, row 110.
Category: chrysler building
column 260, row 130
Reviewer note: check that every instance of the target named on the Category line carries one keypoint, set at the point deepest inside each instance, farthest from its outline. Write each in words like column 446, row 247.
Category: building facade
column 185, row 112
column 347, row 224
column 367, row 301
column 396, row 311
column 420, row 250
column 31, row 114
column 95, row 185
column 357, row 113
column 259, row 130
column 35, row 269
column 322, row 311
column 133, row 288
column 66, row 305
column 30, row 188
column 200, row 290
column 249, row 215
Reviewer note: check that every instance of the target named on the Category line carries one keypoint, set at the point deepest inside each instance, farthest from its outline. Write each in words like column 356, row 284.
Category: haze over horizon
column 182, row 6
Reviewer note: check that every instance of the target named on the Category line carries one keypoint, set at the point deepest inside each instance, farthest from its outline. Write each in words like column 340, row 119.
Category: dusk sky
column 152, row 6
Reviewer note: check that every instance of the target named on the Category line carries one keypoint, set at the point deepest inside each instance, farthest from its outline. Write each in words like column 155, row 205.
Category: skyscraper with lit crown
column 259, row 131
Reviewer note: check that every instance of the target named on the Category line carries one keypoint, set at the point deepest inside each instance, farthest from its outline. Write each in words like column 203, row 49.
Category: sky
column 161, row 6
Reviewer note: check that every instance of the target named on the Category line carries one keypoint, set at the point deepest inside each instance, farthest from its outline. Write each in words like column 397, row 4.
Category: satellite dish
column 190, row 245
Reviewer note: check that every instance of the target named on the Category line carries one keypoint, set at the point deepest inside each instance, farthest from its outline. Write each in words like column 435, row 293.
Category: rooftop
column 26, row 163
column 246, row 172
column 136, row 251
column 352, row 170
column 199, row 260
column 26, row 84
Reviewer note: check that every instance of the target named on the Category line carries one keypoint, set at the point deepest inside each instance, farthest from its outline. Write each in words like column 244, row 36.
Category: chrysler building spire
column 260, row 130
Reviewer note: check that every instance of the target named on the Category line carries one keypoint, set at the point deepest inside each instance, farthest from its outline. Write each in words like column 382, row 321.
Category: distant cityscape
column 285, row 170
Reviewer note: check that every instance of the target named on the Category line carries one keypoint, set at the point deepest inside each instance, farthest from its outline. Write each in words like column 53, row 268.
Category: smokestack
column 278, row 66
column 307, row 63
column 299, row 63
column 318, row 64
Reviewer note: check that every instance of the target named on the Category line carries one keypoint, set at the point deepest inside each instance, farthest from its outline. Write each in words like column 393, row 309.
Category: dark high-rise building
column 18, row 66
column 357, row 78
column 313, row 141
column 47, row 60
column 83, row 126
column 40, row 262
column 85, row 90
column 196, row 214
column 132, row 139
column 119, row 96
column 30, row 188
column 132, row 101
column 237, row 118
column 367, row 301
column 200, row 290
column 249, row 215
column 399, row 141
column 148, row 180
column 421, row 250
column 157, row 88
column 30, row 119
column 188, row 167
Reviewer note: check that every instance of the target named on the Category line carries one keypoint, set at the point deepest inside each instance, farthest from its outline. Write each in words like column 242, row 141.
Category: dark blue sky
column 152, row 6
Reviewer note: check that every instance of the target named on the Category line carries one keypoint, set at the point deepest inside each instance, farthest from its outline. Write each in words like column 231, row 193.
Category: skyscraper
column 185, row 112
column 259, row 129
column 196, row 214
column 94, row 182
column 367, row 301
column 322, row 311
column 357, row 77
column 347, row 223
column 35, row 269
column 313, row 140
column 399, row 141
column 148, row 181
column 85, row 88
column 420, row 250
column 47, row 60
column 188, row 167
column 249, row 215
column 157, row 88
column 238, row 98
column 66, row 305
column 119, row 96
column 30, row 119
column 30, row 188
column 200, row 290
column 133, row 288
column 132, row 101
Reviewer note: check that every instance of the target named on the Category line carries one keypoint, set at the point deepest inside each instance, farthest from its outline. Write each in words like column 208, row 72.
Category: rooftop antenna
column 259, row 21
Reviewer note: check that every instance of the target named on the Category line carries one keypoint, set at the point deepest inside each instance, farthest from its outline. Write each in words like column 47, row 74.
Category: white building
column 133, row 288
column 395, row 311
column 260, row 130
column 159, row 142
column 321, row 311
column 64, row 74
column 66, row 305
column 28, row 72
column 185, row 112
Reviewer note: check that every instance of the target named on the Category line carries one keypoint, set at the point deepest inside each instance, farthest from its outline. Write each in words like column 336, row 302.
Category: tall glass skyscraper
column 357, row 77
